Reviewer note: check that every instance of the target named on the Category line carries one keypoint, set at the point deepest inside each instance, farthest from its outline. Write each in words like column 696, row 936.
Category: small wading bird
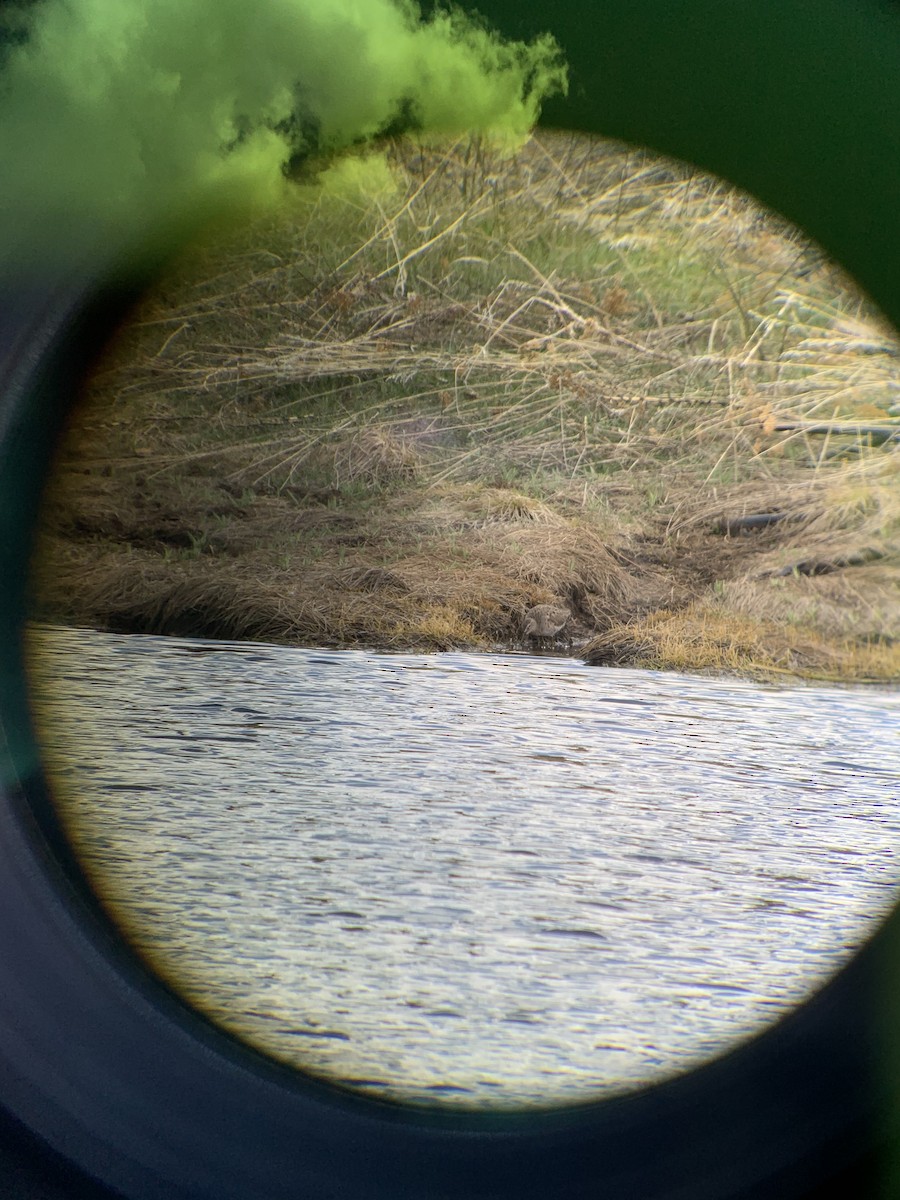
column 546, row 621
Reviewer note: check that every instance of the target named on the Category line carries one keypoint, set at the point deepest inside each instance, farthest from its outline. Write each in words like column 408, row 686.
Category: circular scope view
column 464, row 622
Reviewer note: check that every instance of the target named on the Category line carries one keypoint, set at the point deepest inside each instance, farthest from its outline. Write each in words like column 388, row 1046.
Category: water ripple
column 487, row 880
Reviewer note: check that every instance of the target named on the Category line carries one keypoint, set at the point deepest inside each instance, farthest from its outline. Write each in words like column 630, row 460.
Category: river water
column 488, row 880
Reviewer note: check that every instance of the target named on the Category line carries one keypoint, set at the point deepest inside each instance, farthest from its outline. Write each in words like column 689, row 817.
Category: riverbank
column 440, row 387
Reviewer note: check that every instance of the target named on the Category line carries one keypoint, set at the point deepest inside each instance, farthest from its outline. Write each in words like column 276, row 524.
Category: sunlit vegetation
column 443, row 385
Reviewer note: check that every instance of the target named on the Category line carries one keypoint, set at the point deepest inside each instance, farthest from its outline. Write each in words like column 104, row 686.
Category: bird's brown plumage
column 546, row 620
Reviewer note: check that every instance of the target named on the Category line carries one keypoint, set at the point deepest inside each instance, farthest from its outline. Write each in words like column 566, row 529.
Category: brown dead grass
column 438, row 628
column 549, row 379
column 710, row 637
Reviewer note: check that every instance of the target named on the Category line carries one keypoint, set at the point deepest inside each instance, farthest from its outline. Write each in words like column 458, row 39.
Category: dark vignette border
column 793, row 100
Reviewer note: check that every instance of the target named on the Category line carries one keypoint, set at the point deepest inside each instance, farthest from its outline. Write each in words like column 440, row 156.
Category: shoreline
column 771, row 676
column 690, row 604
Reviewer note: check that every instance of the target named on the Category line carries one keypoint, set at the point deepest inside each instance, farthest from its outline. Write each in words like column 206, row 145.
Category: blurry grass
column 498, row 381
column 561, row 311
column 707, row 637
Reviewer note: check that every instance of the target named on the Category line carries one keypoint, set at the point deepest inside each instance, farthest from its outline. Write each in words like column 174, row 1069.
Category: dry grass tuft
column 371, row 579
column 571, row 563
column 440, row 628
column 842, row 604
column 377, row 456
column 707, row 637
column 492, row 504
